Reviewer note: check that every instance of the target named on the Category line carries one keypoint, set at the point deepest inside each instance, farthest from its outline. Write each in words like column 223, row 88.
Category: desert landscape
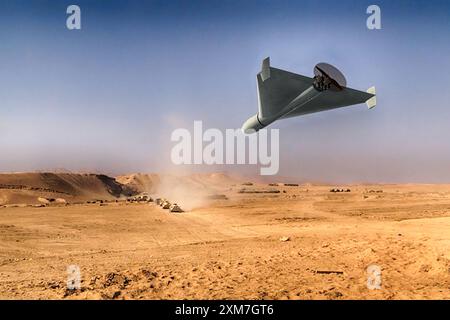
column 235, row 239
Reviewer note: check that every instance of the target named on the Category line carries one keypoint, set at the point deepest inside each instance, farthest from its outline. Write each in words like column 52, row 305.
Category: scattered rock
column 367, row 252
column 329, row 272
column 115, row 279
column 334, row 294
column 69, row 292
column 425, row 268
column 149, row 275
column 94, row 280
column 53, row 285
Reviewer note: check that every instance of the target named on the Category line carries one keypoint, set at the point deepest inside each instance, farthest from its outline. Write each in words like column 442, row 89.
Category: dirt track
column 231, row 248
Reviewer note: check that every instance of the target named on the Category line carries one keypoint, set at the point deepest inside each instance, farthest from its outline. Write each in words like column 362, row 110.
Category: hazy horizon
column 107, row 97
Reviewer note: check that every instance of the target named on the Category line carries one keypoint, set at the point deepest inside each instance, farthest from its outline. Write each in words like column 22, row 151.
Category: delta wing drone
column 283, row 94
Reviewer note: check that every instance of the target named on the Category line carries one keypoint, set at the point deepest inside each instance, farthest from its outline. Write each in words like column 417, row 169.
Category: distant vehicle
column 283, row 94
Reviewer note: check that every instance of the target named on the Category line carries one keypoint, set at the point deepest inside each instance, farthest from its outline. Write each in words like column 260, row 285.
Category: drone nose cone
column 252, row 125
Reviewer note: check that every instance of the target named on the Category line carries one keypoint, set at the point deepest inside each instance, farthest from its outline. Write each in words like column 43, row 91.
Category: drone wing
column 329, row 100
column 276, row 88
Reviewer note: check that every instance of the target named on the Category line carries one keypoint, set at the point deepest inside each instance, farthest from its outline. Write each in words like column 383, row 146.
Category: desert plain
column 236, row 239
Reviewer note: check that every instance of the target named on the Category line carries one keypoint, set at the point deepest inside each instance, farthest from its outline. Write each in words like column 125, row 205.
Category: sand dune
column 25, row 188
column 229, row 248
column 152, row 183
column 139, row 182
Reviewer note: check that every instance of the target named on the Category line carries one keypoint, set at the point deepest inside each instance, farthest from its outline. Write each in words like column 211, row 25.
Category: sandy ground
column 231, row 249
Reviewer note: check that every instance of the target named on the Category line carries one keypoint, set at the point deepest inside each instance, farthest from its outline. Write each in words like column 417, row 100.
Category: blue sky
column 106, row 97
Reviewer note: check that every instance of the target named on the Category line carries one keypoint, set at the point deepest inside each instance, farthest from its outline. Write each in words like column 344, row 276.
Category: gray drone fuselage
column 282, row 94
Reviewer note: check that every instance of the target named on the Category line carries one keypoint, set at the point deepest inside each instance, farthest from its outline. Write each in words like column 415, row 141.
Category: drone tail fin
column 372, row 102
